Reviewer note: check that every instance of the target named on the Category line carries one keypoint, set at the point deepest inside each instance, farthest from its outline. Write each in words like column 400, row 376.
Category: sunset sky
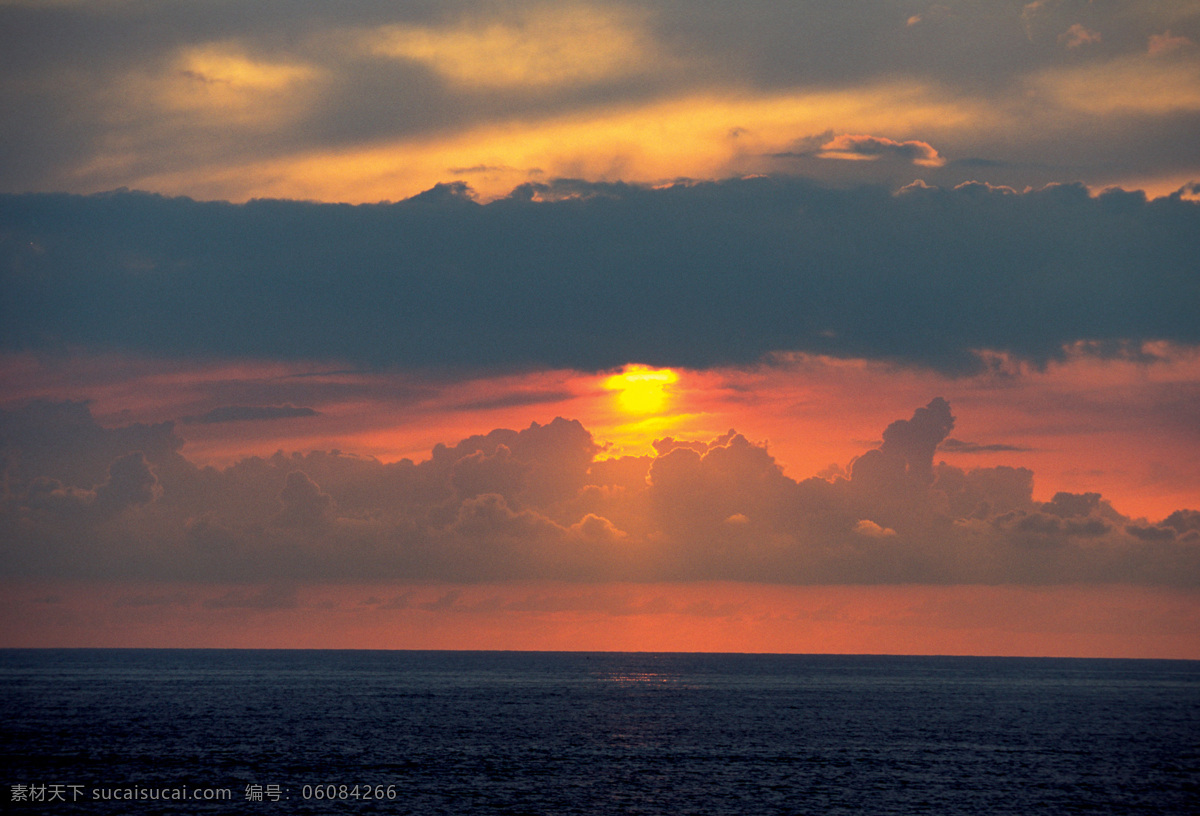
column 694, row 326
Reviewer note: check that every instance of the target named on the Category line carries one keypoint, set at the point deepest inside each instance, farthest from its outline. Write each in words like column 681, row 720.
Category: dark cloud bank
column 82, row 501
column 592, row 276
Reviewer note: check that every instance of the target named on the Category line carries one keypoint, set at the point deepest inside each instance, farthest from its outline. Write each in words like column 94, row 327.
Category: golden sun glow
column 642, row 390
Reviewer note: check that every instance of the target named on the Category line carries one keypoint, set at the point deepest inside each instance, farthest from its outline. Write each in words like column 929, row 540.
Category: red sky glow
column 787, row 327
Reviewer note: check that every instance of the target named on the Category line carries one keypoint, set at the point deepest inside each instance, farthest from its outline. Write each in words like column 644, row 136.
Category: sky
column 772, row 326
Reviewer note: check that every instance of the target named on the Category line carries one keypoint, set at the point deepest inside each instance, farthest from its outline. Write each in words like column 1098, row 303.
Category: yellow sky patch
column 547, row 46
column 220, row 80
column 702, row 136
column 1131, row 85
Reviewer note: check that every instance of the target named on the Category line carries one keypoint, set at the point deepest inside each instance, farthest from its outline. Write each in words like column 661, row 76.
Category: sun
column 642, row 390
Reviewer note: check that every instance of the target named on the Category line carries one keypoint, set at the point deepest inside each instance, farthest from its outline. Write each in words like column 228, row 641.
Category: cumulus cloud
column 914, row 440
column 581, row 278
column 130, row 482
column 61, row 441
column 870, row 529
column 864, row 147
column 304, row 504
column 595, row 527
column 536, row 504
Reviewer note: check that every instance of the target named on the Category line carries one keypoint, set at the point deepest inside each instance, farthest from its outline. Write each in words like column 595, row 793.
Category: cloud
column 952, row 445
column 61, row 441
column 536, row 504
column 304, row 504
column 516, row 398
column 869, row 148
column 219, row 80
column 598, row 528
column 364, row 101
column 870, row 529
column 130, row 482
column 249, row 413
column 595, row 276
column 1031, row 12
column 274, row 596
column 913, row 441
column 160, row 600
column 527, row 49
column 1127, row 86
column 1166, row 42
column 1079, row 35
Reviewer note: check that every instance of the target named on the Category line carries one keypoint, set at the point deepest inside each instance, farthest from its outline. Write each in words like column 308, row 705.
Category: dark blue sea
column 348, row 732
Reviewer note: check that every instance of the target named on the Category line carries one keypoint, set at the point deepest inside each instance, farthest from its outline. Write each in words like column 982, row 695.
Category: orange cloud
column 869, row 148
column 1166, row 42
column 1079, row 35
column 870, row 529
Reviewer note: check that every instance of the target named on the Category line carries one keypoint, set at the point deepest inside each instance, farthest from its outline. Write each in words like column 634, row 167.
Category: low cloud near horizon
column 85, row 502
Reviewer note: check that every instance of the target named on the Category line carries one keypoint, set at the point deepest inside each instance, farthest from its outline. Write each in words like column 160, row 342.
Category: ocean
column 408, row 732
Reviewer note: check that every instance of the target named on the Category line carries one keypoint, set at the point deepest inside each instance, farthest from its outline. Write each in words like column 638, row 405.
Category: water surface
column 604, row 733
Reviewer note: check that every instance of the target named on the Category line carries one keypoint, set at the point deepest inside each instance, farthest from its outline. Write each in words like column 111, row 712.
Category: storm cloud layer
column 592, row 276
column 82, row 501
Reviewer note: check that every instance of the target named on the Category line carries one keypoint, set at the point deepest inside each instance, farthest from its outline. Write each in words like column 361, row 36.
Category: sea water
column 307, row 732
